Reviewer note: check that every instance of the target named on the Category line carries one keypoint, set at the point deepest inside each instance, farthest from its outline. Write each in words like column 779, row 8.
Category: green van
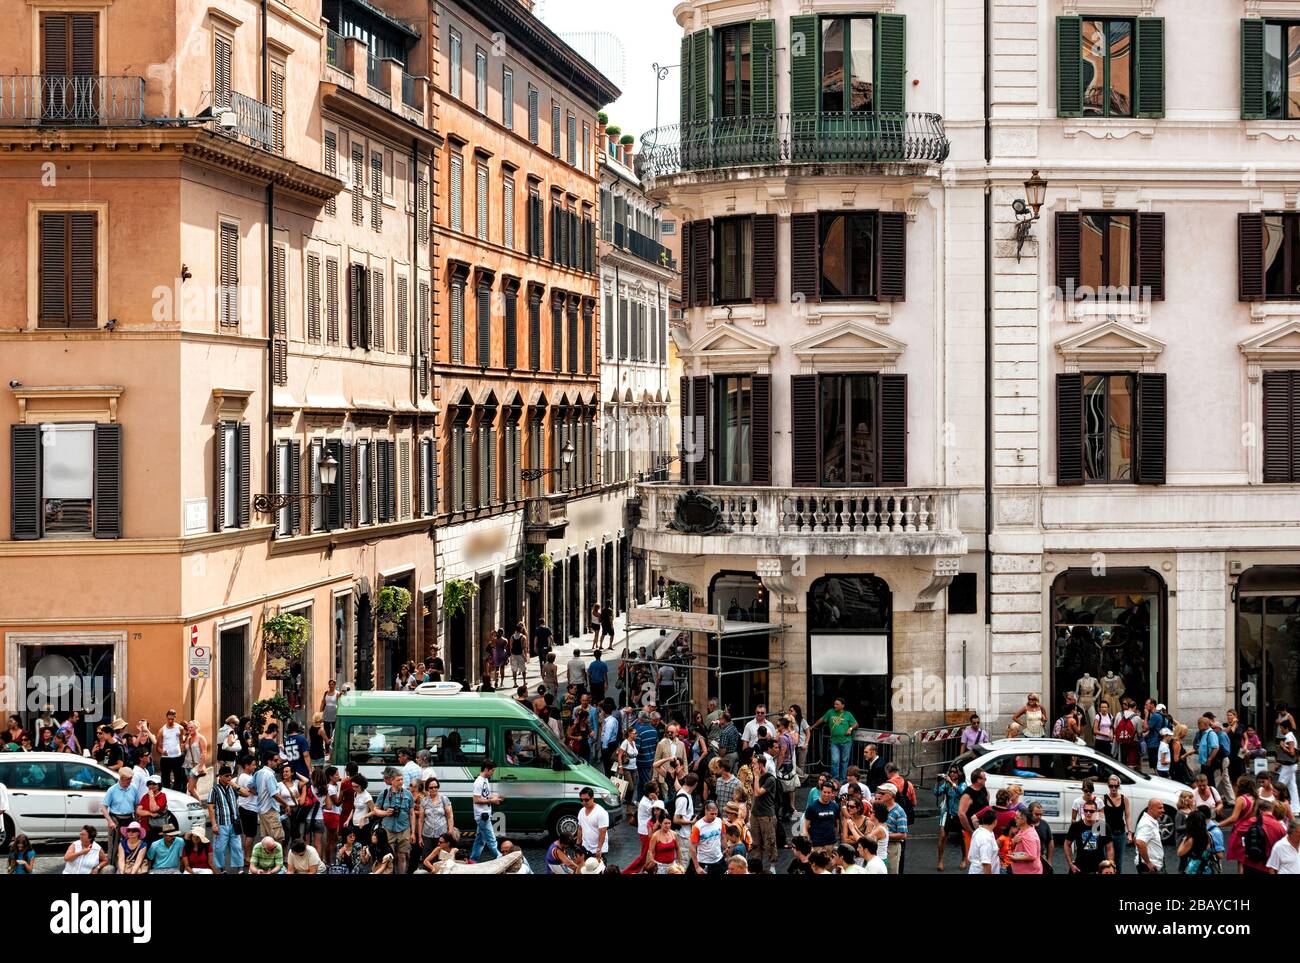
column 537, row 775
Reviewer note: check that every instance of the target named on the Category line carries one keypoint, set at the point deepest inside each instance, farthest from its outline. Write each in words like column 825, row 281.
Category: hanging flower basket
column 456, row 595
column 287, row 631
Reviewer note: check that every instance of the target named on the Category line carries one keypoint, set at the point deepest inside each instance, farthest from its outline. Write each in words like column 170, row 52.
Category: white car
column 1051, row 772
column 52, row 795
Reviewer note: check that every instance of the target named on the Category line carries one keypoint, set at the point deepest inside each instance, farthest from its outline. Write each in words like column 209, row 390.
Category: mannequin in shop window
column 1085, row 691
column 1112, row 687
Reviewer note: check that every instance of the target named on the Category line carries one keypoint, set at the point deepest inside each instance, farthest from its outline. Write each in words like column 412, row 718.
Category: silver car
column 52, row 795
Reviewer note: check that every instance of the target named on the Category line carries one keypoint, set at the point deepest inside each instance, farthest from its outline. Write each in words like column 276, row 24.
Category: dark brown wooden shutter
column 1069, row 429
column 703, row 430
column 24, row 482
column 688, row 295
column 279, row 317
column 402, row 320
column 54, row 45
column 380, row 461
column 1250, row 257
column 892, row 256
column 219, row 457
column 804, row 261
column 295, row 488
column 108, row 481
column 245, row 472
column 805, row 461
column 84, row 270
column 893, row 429
column 1069, row 228
column 346, row 479
column 760, row 433
column 764, row 257
column 53, row 269
column 332, row 300
column 228, row 296
column 687, row 466
column 277, row 110
column 1281, row 426
column 1151, row 255
column 701, row 243
column 1152, row 412
column 313, row 297
column 85, row 55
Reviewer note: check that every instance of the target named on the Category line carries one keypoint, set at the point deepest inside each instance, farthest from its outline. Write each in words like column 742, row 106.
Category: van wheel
column 564, row 821
column 7, row 832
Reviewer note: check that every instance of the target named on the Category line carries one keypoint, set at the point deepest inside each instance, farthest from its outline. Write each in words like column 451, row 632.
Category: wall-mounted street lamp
column 1028, row 208
column 536, row 474
column 270, row 503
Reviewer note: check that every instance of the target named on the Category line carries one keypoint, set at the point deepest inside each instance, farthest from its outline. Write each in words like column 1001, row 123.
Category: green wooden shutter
column 804, row 46
column 684, row 114
column 892, row 63
column 1069, row 66
column 1252, row 70
column 762, row 42
column 1150, row 66
column 700, row 75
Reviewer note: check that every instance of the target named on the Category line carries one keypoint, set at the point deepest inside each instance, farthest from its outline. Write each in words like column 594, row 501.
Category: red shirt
column 347, row 792
column 1274, row 830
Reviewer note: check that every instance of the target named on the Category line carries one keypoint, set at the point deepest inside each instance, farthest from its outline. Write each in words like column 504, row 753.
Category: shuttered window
column 1110, row 67
column 422, row 320
column 1281, row 427
column 453, row 63
column 557, row 334
column 222, row 53
column 313, row 297
column 764, row 257
column 279, row 316
column 376, row 191
column 804, row 261
column 1268, row 246
column 456, row 185
column 1111, row 428
column 358, row 307
column 555, row 128
column 358, row 184
column 534, row 331
column 378, row 317
column 332, row 300
column 402, row 294
column 850, row 255
column 233, row 473
column 481, row 200
column 66, row 479
column 588, row 335
column 1270, row 69
column 534, row 109
column 403, row 479
column 331, row 166
column 483, row 325
column 609, row 327
column 507, row 98
column 510, row 323
column 228, row 269
column 422, row 210
column 1110, row 255
column 701, row 237
column 861, row 429
column 68, row 269
column 623, row 339
column 457, row 322
column 572, row 132
column 480, row 80
column 277, row 108
column 572, row 317
column 508, row 212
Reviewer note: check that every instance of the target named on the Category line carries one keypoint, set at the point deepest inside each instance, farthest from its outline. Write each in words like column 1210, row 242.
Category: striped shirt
column 647, row 741
column 224, row 803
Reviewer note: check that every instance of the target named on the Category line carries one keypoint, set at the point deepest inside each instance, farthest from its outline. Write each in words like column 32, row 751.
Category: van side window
column 377, row 745
column 524, row 747
column 456, row 745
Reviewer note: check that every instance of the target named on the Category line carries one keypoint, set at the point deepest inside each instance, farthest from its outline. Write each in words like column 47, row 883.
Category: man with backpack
column 683, row 810
column 1154, row 717
column 1126, row 738
column 1262, row 834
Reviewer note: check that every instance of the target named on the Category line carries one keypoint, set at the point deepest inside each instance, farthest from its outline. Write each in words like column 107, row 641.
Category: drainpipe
column 270, row 293
column 988, row 317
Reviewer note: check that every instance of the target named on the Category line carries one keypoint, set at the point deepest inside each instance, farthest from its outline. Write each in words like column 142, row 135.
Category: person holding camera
column 484, row 799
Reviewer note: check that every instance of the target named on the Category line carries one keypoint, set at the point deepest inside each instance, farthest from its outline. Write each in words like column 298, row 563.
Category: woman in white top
column 84, row 857
column 1103, row 729
column 801, row 730
column 363, row 804
column 287, row 791
column 627, row 752
column 329, row 707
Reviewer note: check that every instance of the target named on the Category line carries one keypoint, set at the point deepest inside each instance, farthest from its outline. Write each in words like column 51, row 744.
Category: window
column 555, row 128
column 453, row 63
column 508, row 98
column 457, row 321
column 1282, row 426
column 735, row 413
column 222, row 50
column 586, row 145
column 28, row 776
column 848, row 51
column 573, row 139
column 315, row 455
column 68, row 269
column 508, row 212
column 331, row 166
column 277, row 107
column 81, row 775
column 457, row 188
column 1107, row 254
column 1282, row 70
column 848, row 429
column 456, row 745
column 733, row 58
column 313, row 297
column 332, row 300
column 481, row 200
column 1282, row 257
column 358, row 183
column 1107, row 68
column 848, row 255
column 734, row 246
column 283, row 478
column 1108, row 417
column 374, row 744
column 667, row 227
column 342, row 621
column 609, row 327
column 480, row 80
column 377, row 190
column 67, row 478
column 534, row 108
column 527, row 748
column 365, row 492
column 233, row 474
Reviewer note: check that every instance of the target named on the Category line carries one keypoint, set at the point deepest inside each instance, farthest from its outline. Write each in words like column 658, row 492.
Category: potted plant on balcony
column 393, row 604
column 456, row 595
column 284, row 636
column 612, row 132
column 602, row 119
column 626, row 141
column 535, row 563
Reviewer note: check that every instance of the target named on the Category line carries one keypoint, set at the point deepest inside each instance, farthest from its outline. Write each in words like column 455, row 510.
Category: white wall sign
column 196, row 515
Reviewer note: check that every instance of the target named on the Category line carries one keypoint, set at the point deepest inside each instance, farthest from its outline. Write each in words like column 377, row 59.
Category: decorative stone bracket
column 777, row 579
column 941, row 576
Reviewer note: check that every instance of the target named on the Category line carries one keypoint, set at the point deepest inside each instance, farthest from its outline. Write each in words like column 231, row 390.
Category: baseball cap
column 154, row 779
column 1166, row 731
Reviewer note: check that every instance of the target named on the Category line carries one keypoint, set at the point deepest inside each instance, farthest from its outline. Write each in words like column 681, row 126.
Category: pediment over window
column 1277, row 348
column 1110, row 346
column 728, row 345
column 849, row 344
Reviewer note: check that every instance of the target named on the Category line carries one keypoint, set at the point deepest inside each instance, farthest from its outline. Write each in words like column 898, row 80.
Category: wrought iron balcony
column 545, row 517
column 798, row 138
column 254, row 121
column 68, row 101
column 683, row 519
column 648, row 249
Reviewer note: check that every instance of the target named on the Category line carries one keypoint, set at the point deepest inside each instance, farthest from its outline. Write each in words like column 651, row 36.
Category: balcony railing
column 409, row 97
column 734, row 519
column 253, row 120
column 800, row 138
column 68, row 101
column 333, row 46
column 648, row 249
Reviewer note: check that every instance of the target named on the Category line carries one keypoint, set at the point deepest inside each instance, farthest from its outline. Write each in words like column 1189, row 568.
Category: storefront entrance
column 850, row 621
column 85, row 672
column 742, row 657
column 1268, row 645
column 1108, row 638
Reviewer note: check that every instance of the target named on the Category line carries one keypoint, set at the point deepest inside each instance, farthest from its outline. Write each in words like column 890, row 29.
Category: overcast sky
column 624, row 38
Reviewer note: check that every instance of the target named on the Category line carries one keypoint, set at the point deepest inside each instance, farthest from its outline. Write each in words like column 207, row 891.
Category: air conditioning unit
column 227, row 120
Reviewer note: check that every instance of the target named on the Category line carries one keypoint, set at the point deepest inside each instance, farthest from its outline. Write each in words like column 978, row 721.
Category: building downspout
column 988, row 320
column 269, row 280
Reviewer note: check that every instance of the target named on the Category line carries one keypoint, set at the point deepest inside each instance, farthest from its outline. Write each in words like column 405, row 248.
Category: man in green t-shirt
column 267, row 857
column 841, row 724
